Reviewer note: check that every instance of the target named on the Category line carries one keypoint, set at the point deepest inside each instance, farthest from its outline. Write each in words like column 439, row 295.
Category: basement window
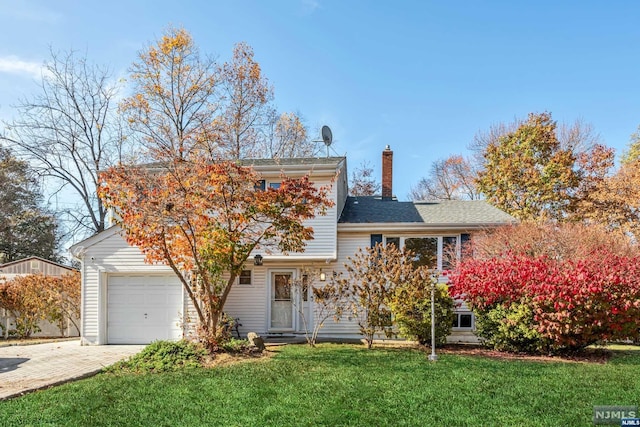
column 463, row 321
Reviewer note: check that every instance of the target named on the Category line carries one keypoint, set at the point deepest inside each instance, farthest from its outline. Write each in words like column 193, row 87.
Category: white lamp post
column 433, row 356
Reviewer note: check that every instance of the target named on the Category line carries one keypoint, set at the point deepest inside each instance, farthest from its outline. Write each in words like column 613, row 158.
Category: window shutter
column 376, row 238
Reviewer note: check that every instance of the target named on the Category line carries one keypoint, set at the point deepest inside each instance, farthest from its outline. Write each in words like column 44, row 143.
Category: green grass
column 341, row 385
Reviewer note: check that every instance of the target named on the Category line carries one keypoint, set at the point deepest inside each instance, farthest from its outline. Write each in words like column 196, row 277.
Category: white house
column 125, row 301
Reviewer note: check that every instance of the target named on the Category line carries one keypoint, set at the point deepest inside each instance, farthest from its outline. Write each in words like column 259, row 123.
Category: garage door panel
column 142, row 309
column 125, row 300
column 159, row 299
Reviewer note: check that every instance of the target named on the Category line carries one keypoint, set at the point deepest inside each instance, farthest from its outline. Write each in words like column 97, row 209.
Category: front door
column 304, row 314
column 282, row 307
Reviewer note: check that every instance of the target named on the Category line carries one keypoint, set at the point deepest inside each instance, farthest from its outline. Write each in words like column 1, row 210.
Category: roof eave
column 314, row 168
column 415, row 226
column 10, row 263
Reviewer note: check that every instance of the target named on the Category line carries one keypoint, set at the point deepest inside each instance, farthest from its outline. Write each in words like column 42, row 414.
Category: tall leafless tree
column 452, row 178
column 363, row 182
column 247, row 99
column 287, row 136
column 68, row 132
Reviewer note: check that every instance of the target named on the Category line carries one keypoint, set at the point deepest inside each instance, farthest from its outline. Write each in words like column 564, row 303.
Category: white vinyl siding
column 323, row 244
column 348, row 244
column 249, row 303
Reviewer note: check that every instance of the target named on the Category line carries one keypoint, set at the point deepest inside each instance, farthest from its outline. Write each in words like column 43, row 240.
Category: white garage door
column 143, row 308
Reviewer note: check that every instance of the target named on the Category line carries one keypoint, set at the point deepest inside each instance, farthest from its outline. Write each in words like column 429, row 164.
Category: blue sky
column 421, row 76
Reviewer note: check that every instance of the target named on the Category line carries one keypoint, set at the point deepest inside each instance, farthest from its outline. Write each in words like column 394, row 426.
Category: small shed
column 34, row 265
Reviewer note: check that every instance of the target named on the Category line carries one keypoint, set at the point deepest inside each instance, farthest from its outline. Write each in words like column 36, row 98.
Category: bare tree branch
column 69, row 132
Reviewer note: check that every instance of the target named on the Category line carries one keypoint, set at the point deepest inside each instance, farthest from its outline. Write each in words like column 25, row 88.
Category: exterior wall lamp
column 257, row 259
column 323, row 276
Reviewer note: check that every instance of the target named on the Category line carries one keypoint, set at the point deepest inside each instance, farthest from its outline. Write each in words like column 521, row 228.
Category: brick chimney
column 387, row 174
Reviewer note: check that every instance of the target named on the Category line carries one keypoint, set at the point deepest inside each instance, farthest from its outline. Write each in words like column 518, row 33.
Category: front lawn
column 342, row 385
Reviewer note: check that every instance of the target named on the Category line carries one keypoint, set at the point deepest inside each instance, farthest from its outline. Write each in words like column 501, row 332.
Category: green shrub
column 510, row 329
column 234, row 345
column 164, row 356
column 412, row 314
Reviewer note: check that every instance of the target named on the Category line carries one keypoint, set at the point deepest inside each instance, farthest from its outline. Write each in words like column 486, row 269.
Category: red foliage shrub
column 575, row 302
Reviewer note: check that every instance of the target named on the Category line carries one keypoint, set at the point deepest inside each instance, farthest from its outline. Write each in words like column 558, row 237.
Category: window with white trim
column 425, row 250
column 463, row 321
column 393, row 241
column 450, row 252
column 245, row 277
column 437, row 252
column 305, row 287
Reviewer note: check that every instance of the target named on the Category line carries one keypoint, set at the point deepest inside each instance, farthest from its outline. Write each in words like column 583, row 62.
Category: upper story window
column 263, row 185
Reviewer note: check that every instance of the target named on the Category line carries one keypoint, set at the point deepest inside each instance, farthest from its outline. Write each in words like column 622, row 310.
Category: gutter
column 414, row 226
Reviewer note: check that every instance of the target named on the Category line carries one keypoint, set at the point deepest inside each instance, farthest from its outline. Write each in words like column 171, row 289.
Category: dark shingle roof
column 372, row 209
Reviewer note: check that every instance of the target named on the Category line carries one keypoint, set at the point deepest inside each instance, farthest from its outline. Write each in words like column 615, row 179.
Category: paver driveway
column 30, row 367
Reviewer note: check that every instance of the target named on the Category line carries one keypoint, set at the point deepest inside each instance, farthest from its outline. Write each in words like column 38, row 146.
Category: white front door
column 282, row 307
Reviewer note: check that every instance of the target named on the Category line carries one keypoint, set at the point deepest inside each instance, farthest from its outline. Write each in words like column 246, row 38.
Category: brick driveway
column 31, row 367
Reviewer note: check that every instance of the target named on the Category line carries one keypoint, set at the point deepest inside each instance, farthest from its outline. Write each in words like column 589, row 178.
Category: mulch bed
column 589, row 355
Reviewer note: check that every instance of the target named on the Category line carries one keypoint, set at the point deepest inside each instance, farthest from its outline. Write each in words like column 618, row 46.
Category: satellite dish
column 327, row 137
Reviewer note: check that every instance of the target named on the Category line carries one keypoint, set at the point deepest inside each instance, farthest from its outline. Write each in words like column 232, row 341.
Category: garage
column 143, row 308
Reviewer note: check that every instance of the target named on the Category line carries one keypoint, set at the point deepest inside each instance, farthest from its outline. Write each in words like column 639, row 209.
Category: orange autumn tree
column 66, row 297
column 196, row 208
column 173, row 110
column 203, row 219
column 33, row 298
